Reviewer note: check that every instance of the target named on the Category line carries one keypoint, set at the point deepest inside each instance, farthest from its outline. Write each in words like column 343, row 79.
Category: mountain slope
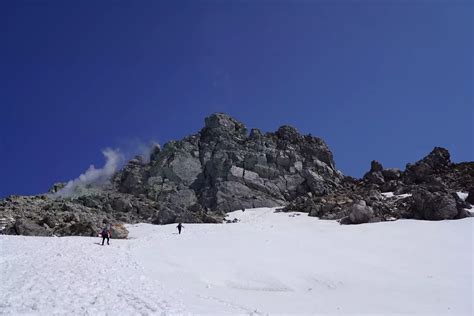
column 224, row 168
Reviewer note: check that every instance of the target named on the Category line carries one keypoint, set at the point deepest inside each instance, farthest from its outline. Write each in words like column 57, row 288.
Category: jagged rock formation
column 224, row 168
column 425, row 190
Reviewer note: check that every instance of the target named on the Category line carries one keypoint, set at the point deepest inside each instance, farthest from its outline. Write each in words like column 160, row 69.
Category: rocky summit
column 225, row 167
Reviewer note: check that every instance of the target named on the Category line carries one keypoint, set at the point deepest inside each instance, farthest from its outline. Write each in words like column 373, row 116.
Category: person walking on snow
column 105, row 235
column 179, row 227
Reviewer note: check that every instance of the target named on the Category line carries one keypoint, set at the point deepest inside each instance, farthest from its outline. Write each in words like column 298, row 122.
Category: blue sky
column 385, row 80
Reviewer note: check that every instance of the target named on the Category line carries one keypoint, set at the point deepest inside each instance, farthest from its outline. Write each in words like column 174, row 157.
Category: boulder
column 26, row 227
column 434, row 205
column 359, row 213
column 118, row 231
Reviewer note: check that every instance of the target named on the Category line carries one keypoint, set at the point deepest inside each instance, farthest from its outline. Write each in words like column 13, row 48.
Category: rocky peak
column 385, row 179
column 436, row 162
column 288, row 133
column 375, row 166
column 220, row 123
column 438, row 158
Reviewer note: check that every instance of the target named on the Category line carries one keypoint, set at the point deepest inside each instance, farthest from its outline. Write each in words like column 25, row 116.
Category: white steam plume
column 94, row 177
column 133, row 147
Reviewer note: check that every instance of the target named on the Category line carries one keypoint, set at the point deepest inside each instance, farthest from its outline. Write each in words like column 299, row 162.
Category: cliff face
column 224, row 167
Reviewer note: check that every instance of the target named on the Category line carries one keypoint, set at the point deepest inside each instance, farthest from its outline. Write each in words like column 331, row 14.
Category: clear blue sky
column 385, row 80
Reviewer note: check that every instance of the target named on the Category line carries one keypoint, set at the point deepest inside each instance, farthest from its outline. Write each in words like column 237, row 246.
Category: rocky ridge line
column 224, row 168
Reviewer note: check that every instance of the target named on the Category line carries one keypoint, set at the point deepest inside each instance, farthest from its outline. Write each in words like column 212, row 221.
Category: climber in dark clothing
column 105, row 235
column 179, row 227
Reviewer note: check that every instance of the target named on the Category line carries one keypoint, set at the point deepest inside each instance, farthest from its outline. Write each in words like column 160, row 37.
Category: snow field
column 268, row 263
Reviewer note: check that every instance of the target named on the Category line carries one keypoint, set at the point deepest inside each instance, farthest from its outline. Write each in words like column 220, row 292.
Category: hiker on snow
column 179, row 228
column 105, row 235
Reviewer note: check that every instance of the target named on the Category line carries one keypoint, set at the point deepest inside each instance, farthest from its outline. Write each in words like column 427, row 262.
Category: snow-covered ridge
column 267, row 263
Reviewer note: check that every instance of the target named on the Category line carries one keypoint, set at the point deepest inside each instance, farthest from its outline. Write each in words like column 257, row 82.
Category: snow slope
column 268, row 263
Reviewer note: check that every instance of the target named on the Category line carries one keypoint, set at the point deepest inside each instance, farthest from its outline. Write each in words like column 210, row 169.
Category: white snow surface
column 268, row 263
column 462, row 195
column 387, row 194
column 392, row 195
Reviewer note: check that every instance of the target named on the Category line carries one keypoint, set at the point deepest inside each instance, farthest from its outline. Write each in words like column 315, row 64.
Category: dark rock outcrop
column 434, row 205
column 45, row 215
column 387, row 179
column 470, row 196
column 425, row 170
column 425, row 190
column 222, row 169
